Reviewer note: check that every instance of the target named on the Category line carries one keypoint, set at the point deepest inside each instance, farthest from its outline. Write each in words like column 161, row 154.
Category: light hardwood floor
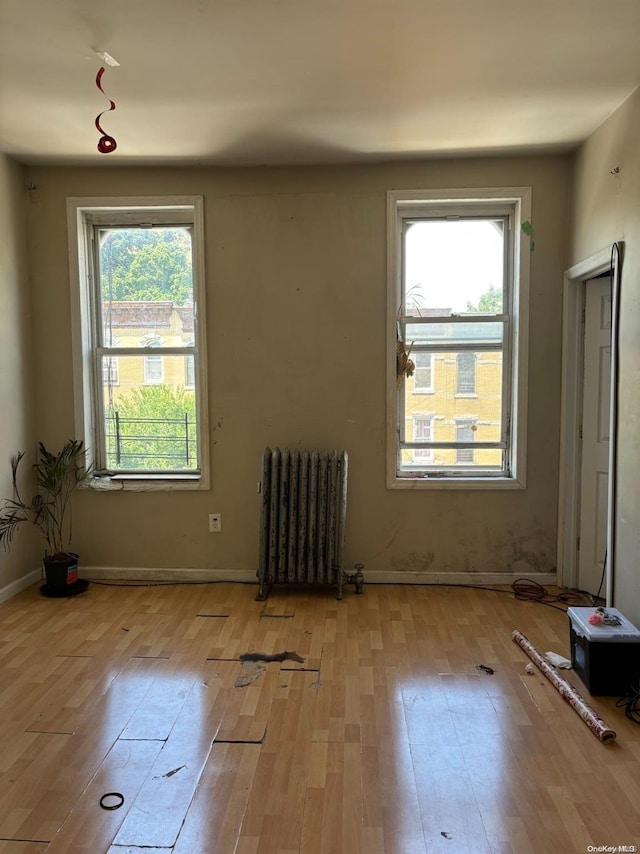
column 387, row 738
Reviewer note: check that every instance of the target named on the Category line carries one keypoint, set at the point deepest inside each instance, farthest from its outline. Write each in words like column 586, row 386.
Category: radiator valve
column 356, row 577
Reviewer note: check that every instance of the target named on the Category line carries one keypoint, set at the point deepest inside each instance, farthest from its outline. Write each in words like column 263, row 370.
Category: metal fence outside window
column 150, row 443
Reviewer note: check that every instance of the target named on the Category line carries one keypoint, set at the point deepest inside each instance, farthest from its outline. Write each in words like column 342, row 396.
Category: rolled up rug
column 577, row 702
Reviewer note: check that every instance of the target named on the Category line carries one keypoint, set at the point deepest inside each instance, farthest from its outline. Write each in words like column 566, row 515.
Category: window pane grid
column 466, row 373
column 455, row 335
column 149, row 351
column 441, row 280
column 144, row 275
column 144, row 306
column 423, row 372
column 456, row 325
column 131, row 442
column 445, row 445
column 444, row 319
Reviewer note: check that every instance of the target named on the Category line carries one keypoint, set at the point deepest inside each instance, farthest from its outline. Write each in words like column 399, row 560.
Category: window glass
column 459, row 280
column 466, row 373
column 137, row 311
column 465, row 432
column 423, row 373
column 454, row 266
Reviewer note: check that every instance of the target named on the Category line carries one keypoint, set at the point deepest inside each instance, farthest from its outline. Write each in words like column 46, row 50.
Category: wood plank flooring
column 385, row 739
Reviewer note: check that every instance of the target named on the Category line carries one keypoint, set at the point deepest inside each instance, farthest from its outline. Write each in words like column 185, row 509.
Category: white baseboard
column 247, row 576
column 470, row 578
column 15, row 587
column 142, row 573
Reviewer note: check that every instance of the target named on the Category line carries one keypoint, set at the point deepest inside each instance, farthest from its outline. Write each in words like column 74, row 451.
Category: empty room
column 319, row 444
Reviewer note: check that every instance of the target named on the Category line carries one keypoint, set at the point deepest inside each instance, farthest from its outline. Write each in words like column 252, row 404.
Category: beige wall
column 15, row 370
column 296, row 267
column 606, row 208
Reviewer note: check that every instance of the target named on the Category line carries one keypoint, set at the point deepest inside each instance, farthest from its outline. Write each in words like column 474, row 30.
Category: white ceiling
column 310, row 81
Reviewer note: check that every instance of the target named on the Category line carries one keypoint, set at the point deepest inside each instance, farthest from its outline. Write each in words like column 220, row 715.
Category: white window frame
column 424, row 454
column 423, row 389
column 151, row 375
column 473, row 359
column 465, row 424
column 82, row 214
column 409, row 204
column 112, row 376
column 189, row 372
column 151, row 361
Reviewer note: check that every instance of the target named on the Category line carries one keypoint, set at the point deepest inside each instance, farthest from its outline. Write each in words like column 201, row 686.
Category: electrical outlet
column 215, row 523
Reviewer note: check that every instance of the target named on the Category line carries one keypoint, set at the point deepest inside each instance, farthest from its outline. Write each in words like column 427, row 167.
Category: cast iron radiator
column 304, row 506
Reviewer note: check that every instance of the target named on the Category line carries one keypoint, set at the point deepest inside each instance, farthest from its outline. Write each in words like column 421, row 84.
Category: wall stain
column 521, row 554
column 413, row 562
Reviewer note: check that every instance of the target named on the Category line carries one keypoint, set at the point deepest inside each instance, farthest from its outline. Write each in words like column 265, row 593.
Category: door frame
column 573, row 300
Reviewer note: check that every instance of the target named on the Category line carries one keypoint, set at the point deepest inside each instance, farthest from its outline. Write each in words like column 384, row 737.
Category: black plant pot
column 61, row 575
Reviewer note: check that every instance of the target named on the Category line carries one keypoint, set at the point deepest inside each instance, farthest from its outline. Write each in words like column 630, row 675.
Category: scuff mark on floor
column 170, row 773
column 300, row 670
column 485, row 669
column 277, row 656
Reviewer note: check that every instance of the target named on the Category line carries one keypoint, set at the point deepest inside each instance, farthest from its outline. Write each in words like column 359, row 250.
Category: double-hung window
column 153, row 366
column 466, row 373
column 423, row 373
column 458, row 271
column 423, row 432
column 110, row 371
column 465, row 433
column 138, row 300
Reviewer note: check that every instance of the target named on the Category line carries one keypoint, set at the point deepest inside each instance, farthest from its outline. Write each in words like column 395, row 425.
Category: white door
column 594, row 477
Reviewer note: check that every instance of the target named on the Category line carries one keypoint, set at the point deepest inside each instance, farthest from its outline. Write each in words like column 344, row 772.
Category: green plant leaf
column 527, row 229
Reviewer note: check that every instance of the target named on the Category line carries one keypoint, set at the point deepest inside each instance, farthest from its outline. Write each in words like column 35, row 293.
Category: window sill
column 147, row 483
column 468, row 483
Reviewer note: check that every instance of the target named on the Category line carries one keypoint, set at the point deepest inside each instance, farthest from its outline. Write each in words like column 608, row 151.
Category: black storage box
column 606, row 658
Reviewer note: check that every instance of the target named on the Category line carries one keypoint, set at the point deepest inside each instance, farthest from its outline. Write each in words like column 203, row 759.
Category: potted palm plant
column 57, row 476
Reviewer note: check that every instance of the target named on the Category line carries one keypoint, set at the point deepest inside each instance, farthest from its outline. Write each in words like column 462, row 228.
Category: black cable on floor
column 524, row 589
column 631, row 705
